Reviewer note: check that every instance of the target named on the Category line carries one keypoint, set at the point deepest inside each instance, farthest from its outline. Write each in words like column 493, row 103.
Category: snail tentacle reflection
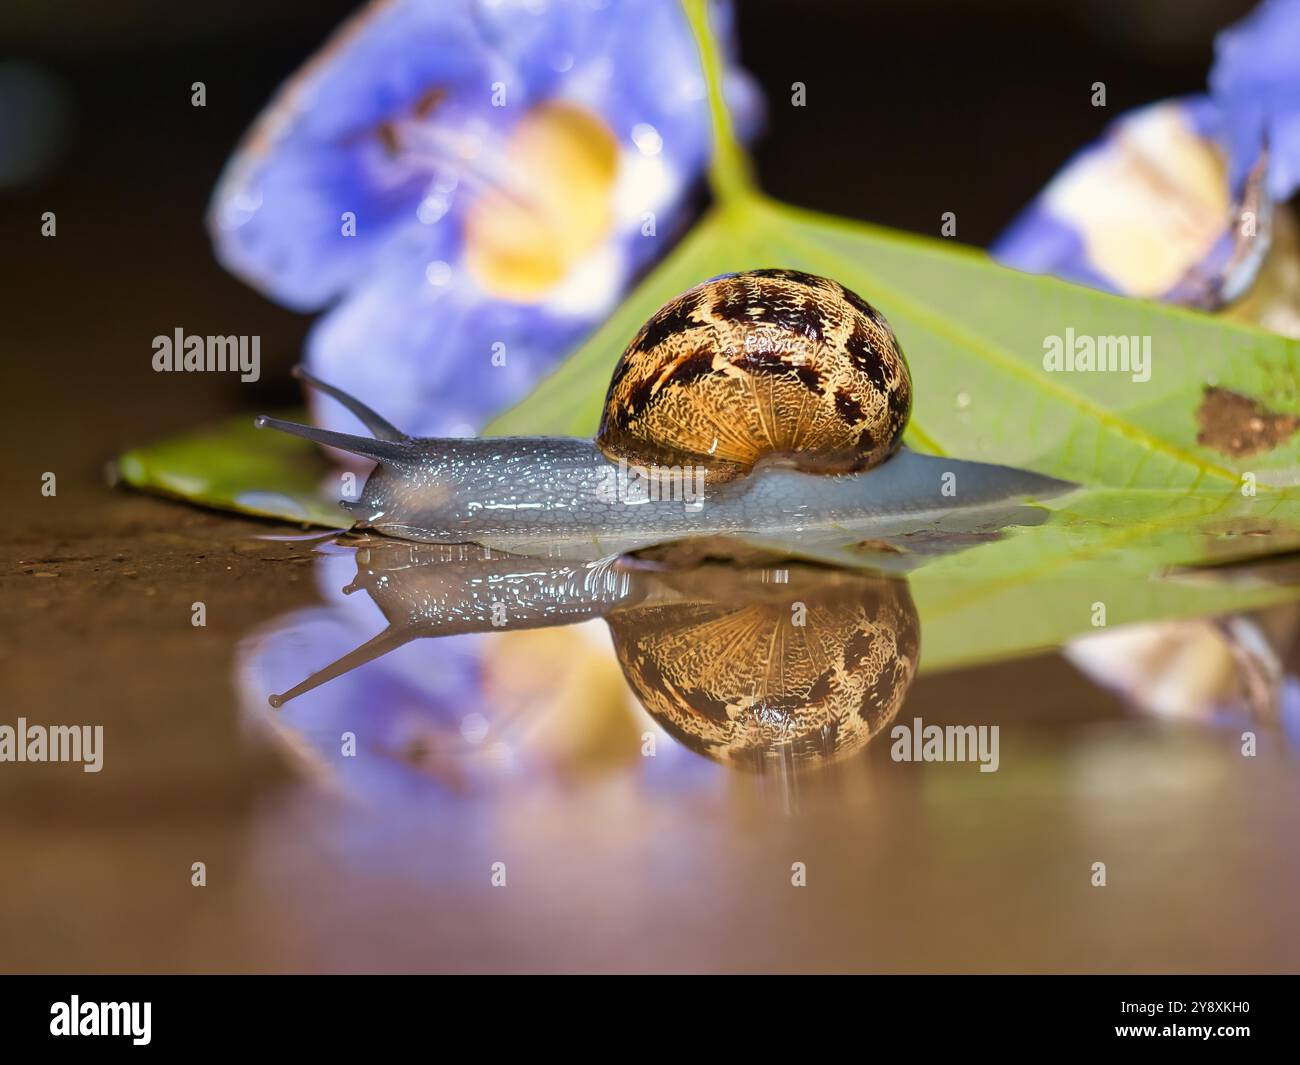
column 749, row 666
column 427, row 590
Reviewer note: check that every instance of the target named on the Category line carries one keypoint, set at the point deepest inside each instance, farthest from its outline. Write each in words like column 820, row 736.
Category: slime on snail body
column 784, row 396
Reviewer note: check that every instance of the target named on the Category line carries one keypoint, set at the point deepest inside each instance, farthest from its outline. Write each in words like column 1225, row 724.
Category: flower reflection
column 780, row 665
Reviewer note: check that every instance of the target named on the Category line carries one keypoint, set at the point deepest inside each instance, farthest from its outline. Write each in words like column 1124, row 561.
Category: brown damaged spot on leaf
column 1240, row 426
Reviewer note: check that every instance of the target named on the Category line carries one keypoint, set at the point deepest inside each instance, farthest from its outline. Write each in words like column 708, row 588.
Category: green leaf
column 1152, row 498
column 236, row 467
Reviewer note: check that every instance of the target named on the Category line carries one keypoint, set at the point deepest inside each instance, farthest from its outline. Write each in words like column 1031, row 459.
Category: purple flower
column 1134, row 212
column 1255, row 83
column 472, row 185
column 1147, row 210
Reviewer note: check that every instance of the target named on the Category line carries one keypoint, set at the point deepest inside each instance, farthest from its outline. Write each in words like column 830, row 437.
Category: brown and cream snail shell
column 768, row 364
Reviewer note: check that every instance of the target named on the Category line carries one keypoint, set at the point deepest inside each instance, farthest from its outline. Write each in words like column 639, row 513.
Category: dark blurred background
column 914, row 108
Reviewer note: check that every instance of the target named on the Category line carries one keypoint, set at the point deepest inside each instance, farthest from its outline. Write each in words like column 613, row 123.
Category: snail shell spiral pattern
column 767, row 364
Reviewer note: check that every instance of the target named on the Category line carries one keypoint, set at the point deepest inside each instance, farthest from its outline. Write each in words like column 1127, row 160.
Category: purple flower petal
column 1255, row 82
column 437, row 358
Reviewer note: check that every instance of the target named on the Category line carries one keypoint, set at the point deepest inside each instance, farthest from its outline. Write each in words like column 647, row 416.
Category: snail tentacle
column 378, row 450
column 380, row 427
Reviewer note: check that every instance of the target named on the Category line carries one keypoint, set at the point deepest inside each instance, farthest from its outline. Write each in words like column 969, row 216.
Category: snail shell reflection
column 757, row 673
column 749, row 666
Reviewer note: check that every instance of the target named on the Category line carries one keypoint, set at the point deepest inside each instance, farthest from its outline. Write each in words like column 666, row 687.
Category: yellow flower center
column 554, row 205
column 1150, row 205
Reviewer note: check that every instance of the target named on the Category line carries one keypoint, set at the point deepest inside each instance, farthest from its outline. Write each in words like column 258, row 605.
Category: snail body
column 763, row 402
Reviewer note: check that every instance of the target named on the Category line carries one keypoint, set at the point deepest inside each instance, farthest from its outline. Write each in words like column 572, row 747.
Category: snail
column 776, row 663
column 770, row 401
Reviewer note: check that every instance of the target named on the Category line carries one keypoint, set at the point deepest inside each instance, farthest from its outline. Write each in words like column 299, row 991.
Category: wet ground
column 612, row 861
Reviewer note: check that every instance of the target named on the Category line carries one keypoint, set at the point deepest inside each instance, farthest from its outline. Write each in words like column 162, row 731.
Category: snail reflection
column 766, row 663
